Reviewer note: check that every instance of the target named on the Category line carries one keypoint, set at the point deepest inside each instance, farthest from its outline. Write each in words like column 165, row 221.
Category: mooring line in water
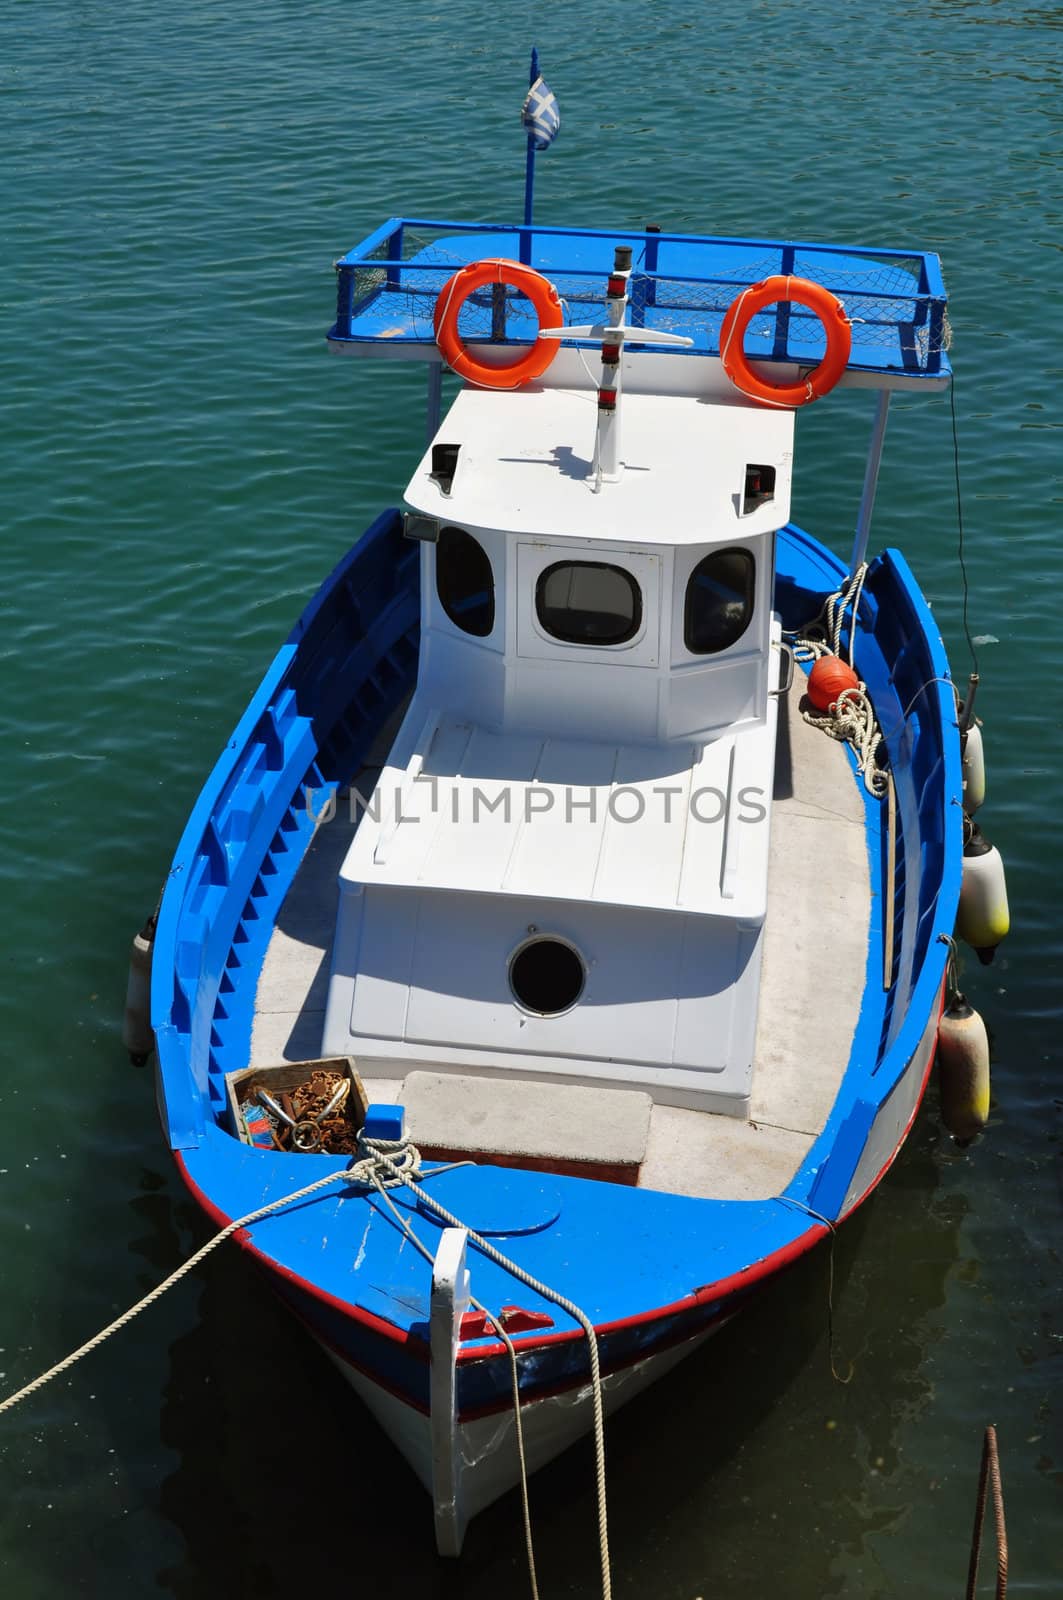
column 394, row 1164
column 525, row 1506
column 788, row 1199
column 168, row 1283
column 989, row 1472
column 407, row 1229
column 379, row 1155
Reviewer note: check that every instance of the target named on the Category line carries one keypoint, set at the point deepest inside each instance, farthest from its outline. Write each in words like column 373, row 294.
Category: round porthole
column 547, row 976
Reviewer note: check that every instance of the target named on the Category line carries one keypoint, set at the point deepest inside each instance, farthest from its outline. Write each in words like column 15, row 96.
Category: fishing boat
column 572, row 903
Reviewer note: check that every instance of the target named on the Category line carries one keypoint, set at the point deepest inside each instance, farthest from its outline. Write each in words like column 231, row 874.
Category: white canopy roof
column 525, row 466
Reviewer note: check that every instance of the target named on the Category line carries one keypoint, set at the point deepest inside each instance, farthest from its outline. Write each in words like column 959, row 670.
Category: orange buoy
column 453, row 295
column 829, row 678
column 827, row 307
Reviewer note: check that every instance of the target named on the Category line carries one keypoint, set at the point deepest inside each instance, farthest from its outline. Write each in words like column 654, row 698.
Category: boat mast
column 607, row 466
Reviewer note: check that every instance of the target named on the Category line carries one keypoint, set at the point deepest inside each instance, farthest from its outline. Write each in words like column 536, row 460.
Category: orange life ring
column 453, row 295
column 821, row 379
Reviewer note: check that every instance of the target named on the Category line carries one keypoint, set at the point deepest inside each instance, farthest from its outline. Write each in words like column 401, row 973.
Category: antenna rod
column 867, row 499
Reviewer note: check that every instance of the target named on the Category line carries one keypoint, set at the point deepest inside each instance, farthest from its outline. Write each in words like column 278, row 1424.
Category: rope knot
column 385, row 1163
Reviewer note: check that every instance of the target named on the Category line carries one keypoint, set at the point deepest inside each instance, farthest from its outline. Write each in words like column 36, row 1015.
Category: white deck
column 814, row 963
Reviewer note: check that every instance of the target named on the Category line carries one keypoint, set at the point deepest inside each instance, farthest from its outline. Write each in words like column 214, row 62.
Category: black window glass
column 719, row 601
column 588, row 602
column 464, row 582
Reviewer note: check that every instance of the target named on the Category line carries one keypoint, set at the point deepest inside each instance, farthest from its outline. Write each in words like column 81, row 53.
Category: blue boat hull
column 655, row 1272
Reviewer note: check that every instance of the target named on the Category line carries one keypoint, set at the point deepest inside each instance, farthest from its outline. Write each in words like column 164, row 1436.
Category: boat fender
column 963, row 1070
column 137, row 1035
column 829, row 678
column 983, row 918
column 779, row 289
column 973, row 769
column 453, row 295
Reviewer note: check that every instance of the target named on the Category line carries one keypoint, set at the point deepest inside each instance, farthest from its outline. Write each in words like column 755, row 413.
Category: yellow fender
column 963, row 1070
column 983, row 918
column 973, row 769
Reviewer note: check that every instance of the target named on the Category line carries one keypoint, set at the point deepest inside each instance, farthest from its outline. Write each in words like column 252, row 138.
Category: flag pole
column 529, row 174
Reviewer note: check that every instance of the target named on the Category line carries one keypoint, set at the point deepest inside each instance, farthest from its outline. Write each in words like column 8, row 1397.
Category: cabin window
column 464, row 582
column 588, row 602
column 719, row 601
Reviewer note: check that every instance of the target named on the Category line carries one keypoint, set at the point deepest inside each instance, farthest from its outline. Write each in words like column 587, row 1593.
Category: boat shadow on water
column 747, row 1462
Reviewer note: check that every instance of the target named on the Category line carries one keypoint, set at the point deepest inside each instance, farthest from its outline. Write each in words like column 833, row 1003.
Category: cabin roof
column 525, row 465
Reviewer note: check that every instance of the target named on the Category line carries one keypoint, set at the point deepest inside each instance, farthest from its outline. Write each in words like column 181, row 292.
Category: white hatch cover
column 676, row 827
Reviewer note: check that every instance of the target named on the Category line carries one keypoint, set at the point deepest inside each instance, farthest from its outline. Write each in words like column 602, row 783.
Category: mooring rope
column 832, row 1229
column 392, row 1164
column 518, row 1423
column 959, row 523
column 167, row 1283
column 851, row 720
column 989, row 1473
column 823, row 635
column 378, row 1153
column 369, row 1166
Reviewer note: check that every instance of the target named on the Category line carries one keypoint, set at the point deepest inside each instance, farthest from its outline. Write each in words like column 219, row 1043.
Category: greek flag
column 540, row 114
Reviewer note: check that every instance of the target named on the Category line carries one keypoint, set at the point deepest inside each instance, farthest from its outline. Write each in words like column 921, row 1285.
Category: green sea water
column 182, row 463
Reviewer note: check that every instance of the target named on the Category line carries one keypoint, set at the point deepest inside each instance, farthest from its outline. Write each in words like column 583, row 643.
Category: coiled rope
column 851, row 718
column 382, row 1165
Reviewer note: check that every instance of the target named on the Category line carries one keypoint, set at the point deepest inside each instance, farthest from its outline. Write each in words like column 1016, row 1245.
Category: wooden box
column 285, row 1080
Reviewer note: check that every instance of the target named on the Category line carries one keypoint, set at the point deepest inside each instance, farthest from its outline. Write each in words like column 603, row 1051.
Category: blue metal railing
column 906, row 307
column 397, row 225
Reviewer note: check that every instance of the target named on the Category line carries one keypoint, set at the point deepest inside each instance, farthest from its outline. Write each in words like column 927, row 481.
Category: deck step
column 567, row 1128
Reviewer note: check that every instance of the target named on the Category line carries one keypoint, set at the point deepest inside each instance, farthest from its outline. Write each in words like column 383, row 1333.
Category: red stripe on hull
column 738, row 1283
column 723, row 1288
column 417, row 1348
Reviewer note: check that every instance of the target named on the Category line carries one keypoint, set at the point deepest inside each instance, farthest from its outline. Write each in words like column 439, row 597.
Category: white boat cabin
column 563, row 874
